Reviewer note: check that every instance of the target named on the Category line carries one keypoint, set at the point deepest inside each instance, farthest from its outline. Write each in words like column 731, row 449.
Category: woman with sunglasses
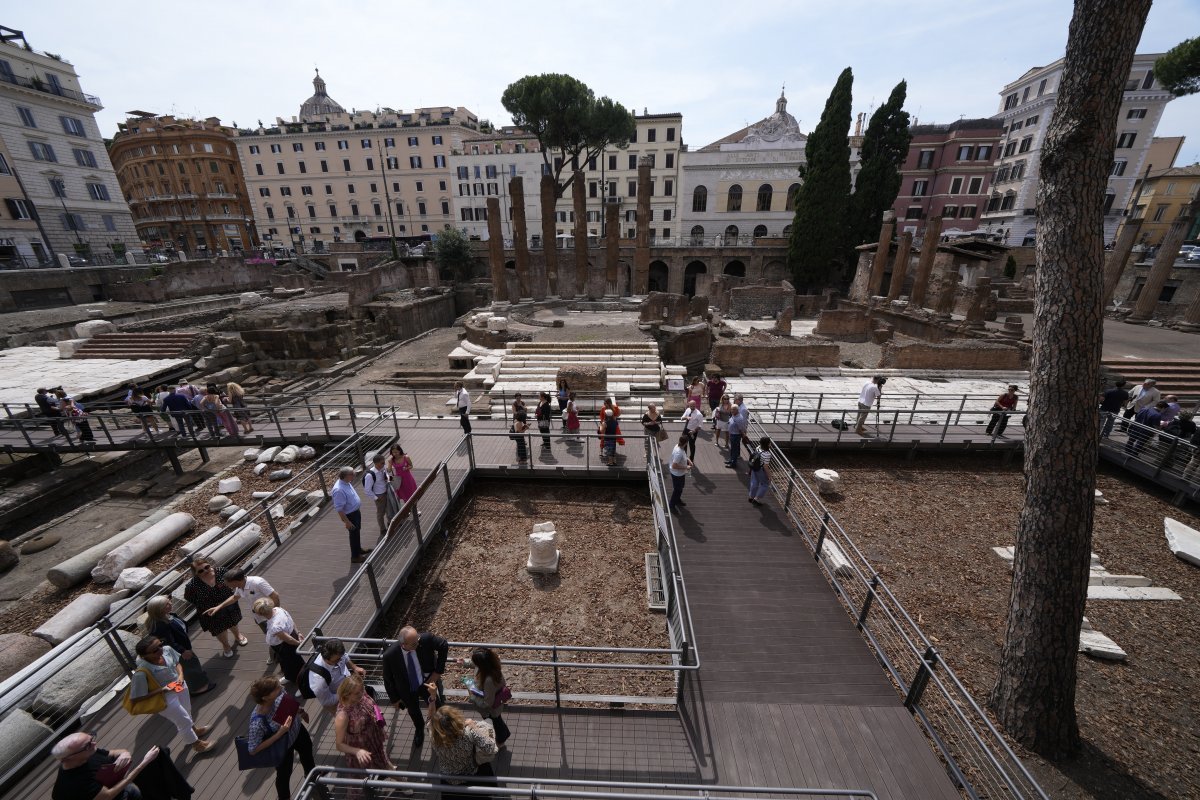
column 161, row 663
column 208, row 593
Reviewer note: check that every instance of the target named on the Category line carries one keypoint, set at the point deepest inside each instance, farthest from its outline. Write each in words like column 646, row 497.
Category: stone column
column 983, row 289
column 641, row 254
column 1191, row 318
column 900, row 267
column 1114, row 265
column 1163, row 262
column 529, row 283
column 875, row 283
column 612, row 224
column 496, row 251
column 549, row 243
column 581, row 243
column 933, row 232
column 946, row 294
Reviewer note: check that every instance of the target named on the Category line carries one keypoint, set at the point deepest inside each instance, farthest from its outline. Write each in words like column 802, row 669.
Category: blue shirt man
column 737, row 429
column 347, row 504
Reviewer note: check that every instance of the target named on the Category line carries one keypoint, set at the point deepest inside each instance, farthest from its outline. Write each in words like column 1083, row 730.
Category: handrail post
column 396, row 420
column 820, row 403
column 416, row 403
column 557, row 688
column 271, row 522
column 892, row 432
column 866, row 609
column 378, row 407
column 911, row 414
column 946, row 427
column 446, row 475
column 275, row 419
column 108, row 633
column 324, row 419
column 321, row 480
column 821, row 536
column 353, row 420
column 24, row 432
column 374, row 585
column 787, row 500
column 962, row 404
column 471, row 450
column 416, row 518
column 792, row 415
column 929, row 662
column 104, row 430
column 1167, row 456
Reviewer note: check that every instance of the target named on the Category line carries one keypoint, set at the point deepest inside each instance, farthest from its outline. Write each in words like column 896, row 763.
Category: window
column 276, row 148
column 324, row 165
column 354, row 209
column 332, row 210
column 1126, row 140
column 26, row 117
column 19, row 209
column 291, row 212
column 1042, row 87
column 306, row 190
column 993, row 203
column 478, row 189
column 964, row 152
column 974, row 185
column 669, row 188
column 670, row 134
column 377, row 209
column 270, row 213
column 445, row 208
column 983, row 152
column 920, row 188
column 733, row 200
column 257, row 168
column 630, row 215
column 1160, row 212
column 493, row 188
column 925, row 159
column 303, row 168
column 1029, row 123
column 956, row 186
column 374, row 188
column 633, row 188
column 312, row 212
column 1018, row 171
column 1010, row 148
column 393, row 162
column 699, row 199
column 1025, row 94
column 670, row 161
column 1026, row 143
column 58, row 187
column 420, row 186
column 1016, row 126
column 349, row 188
column 73, row 126
column 414, row 162
column 253, row 149
column 593, row 189
column 634, row 137
column 73, row 222
column 1118, row 168
column 913, row 212
column 949, row 212
column 318, row 145
column 967, row 212
column 264, row 191
column 278, row 167
column 652, row 135
column 1136, row 113
column 612, row 162
column 666, row 215
column 345, row 165
column 1010, row 101
column 1149, row 81
column 370, row 165
column 439, row 162
column 285, row 191
column 632, row 161
column 110, row 224
column 421, row 209
column 464, row 174
column 489, row 171
column 297, row 147
column 412, row 141
column 44, row 152
column 365, row 144
column 437, row 140
column 1008, row 202
column 343, row 144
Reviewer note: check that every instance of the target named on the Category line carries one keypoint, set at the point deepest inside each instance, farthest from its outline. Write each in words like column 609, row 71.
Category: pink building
column 947, row 173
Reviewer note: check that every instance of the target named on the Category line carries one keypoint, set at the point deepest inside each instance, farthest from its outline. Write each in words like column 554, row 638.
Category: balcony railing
column 38, row 85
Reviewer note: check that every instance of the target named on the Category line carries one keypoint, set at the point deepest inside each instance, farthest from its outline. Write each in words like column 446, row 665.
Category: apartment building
column 1026, row 108
column 61, row 177
column 183, row 181
column 329, row 175
column 947, row 173
column 483, row 168
column 1165, row 196
column 21, row 241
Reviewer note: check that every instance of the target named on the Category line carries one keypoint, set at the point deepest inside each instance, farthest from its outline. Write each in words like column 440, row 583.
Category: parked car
column 158, row 258
column 1193, row 257
column 77, row 261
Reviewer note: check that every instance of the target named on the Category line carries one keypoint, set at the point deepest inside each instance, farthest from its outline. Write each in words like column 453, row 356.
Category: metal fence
column 19, row 693
column 1170, row 460
column 343, row 783
column 355, row 612
column 977, row 755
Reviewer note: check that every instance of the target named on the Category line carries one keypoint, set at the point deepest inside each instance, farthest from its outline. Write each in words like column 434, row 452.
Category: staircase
column 1175, row 376
column 137, row 345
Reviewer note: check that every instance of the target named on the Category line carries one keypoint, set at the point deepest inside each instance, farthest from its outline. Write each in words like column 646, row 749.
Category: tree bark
column 549, row 242
column 1114, row 267
column 1034, row 696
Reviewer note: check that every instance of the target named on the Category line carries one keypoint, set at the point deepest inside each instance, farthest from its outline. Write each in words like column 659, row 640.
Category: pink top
column 406, row 484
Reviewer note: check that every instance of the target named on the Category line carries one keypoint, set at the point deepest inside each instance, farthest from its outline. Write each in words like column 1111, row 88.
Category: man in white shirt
column 871, row 395
column 252, row 588
column 693, row 420
column 328, row 670
column 375, row 482
column 679, row 467
column 462, row 406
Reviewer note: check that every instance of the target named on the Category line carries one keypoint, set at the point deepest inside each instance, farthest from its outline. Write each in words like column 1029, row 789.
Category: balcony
column 38, row 85
column 221, row 196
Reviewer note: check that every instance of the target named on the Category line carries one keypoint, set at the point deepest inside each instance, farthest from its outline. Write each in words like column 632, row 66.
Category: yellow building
column 1165, row 194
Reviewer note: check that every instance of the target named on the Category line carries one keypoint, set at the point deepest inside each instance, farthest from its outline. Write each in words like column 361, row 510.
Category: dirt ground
column 1138, row 719
column 473, row 587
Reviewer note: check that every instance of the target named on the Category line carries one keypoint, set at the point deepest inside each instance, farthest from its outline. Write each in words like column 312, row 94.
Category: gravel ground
column 1138, row 718
column 473, row 587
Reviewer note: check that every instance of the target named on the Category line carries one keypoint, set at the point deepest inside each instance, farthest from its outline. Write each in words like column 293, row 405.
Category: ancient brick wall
column 764, row 351
column 665, row 308
column 847, row 325
column 194, row 278
column 909, row 354
column 758, row 302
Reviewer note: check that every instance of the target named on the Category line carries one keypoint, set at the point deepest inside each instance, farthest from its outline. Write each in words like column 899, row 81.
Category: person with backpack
column 759, row 483
column 376, row 485
column 324, row 674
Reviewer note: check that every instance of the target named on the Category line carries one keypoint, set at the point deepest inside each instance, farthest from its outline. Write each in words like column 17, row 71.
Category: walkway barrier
column 976, row 754
column 19, row 693
column 339, row 783
column 1152, row 453
column 353, row 615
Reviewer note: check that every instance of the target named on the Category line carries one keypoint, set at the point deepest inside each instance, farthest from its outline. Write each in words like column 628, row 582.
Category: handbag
column 502, row 697
column 379, row 720
column 270, row 758
column 660, row 435
column 152, row 703
column 490, row 732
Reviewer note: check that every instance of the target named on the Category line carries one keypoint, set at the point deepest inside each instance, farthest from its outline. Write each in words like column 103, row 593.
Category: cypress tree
column 884, row 149
column 816, row 251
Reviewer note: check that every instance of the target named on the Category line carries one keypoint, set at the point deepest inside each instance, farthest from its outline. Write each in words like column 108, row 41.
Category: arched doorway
column 735, row 269
column 360, row 235
column 658, row 276
column 689, row 277
column 697, row 235
column 1030, row 239
column 731, row 235
column 760, row 231
column 774, row 271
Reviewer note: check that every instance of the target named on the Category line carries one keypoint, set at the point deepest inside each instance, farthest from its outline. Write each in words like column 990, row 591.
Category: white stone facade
column 483, row 169
column 68, row 185
column 1026, row 108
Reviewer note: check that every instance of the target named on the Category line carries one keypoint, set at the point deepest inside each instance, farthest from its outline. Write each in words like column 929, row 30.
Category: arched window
column 764, row 198
column 793, row 190
column 700, row 199
column 734, row 203
column 760, row 231
column 787, row 230
column 731, row 234
column 697, row 234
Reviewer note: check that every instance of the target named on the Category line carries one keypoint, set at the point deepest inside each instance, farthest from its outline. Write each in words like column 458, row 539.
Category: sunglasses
column 90, row 745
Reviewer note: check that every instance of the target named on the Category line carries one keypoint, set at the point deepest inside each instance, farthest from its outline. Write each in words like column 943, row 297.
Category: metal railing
column 1151, row 452
column 19, row 693
column 355, row 612
column 337, row 783
column 976, row 754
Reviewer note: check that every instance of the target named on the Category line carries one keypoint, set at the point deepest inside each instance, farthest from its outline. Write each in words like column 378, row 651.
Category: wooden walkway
column 788, row 694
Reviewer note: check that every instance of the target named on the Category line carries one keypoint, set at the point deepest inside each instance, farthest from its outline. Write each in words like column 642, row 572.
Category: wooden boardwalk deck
column 788, row 694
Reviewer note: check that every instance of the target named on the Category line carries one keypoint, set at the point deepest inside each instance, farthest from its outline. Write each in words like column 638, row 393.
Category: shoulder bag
column 272, row 757
column 152, row 703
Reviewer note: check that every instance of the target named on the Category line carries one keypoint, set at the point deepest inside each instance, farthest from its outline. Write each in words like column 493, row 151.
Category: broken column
column 579, row 201
column 142, row 546
column 946, row 294
column 1164, row 262
column 975, row 314
column 828, row 481
column 549, row 193
column 900, row 266
column 80, row 613
column 496, row 251
column 641, row 253
column 79, row 567
column 612, row 253
column 1114, row 265
column 543, row 550
column 529, row 286
column 933, row 232
column 875, row 282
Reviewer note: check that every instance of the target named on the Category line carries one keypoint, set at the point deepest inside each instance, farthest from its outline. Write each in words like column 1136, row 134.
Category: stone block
column 584, row 378
column 200, row 541
column 68, row 347
column 845, row 325
column 94, row 327
column 20, row 735
column 306, row 453
column 957, row 355
column 249, row 298
column 37, row 544
column 1183, row 541
column 1094, row 643
column 280, row 475
column 267, row 455
column 18, row 651
column 286, row 455
column 8, row 556
column 1131, row 593
column 261, row 495
column 828, row 481
column 92, row 669
column 77, row 568
column 229, row 485
column 259, row 469
column 228, row 511
column 219, row 502
column 761, row 349
column 134, row 578
column 142, row 546
column 80, row 613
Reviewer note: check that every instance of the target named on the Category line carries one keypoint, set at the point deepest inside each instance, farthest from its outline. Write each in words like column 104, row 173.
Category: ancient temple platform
column 24, row 369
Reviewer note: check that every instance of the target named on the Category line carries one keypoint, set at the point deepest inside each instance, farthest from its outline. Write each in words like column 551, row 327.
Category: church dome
column 320, row 103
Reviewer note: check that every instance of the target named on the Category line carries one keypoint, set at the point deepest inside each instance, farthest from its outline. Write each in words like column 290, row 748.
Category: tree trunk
column 1034, row 696
column 549, row 243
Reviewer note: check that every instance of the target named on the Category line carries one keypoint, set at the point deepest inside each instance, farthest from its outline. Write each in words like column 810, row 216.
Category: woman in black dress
column 206, row 591
column 544, row 413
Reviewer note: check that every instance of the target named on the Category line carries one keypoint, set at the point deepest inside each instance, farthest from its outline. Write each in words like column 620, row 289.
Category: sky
column 721, row 64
